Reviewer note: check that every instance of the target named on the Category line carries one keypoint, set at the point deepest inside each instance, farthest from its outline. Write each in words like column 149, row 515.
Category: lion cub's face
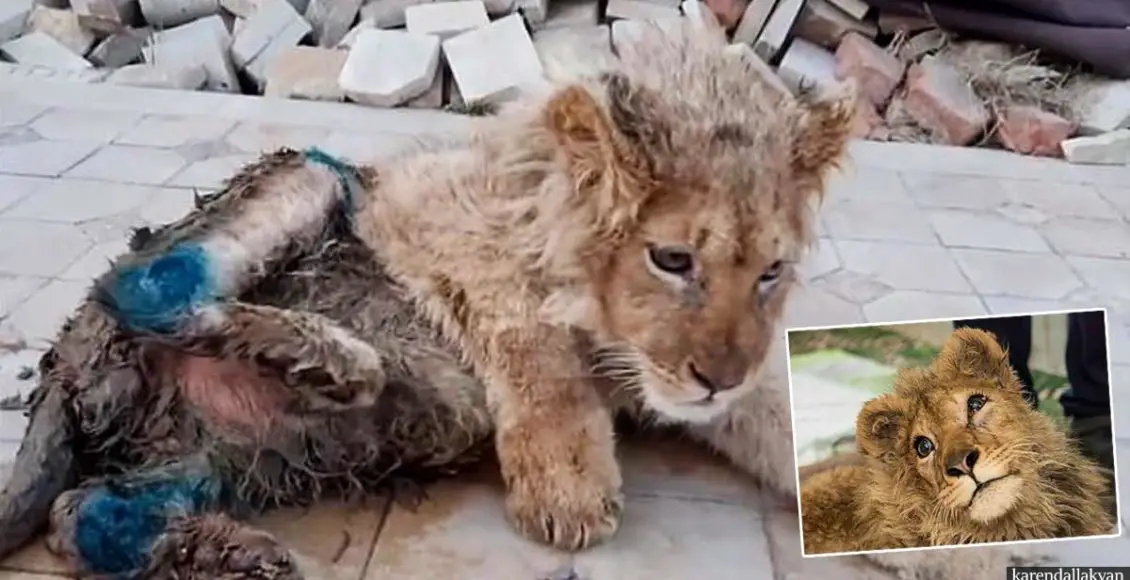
column 957, row 436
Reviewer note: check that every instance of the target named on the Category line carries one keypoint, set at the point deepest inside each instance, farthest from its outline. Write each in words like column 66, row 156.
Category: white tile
column 46, row 158
column 15, row 289
column 40, row 317
column 211, row 173
column 1109, row 276
column 809, row 306
column 904, row 266
column 95, row 261
column 867, row 220
column 1089, row 237
column 821, row 259
column 14, row 188
column 868, row 184
column 128, row 164
column 1041, row 276
column 905, row 305
column 39, row 248
column 1059, row 199
column 78, row 125
column 77, row 200
column 967, row 229
column 259, row 137
column 168, row 204
column 175, row 130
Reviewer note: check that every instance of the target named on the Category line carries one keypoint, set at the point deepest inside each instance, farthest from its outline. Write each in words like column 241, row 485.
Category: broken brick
column 1031, row 130
column 877, row 71
column 939, row 100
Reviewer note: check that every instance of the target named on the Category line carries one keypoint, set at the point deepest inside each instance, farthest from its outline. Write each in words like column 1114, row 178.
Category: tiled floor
column 914, row 232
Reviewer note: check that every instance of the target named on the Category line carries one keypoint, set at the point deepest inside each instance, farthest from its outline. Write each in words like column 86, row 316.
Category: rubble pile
column 917, row 83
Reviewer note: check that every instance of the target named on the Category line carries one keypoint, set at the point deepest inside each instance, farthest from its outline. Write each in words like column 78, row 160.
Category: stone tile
column 16, row 112
column 211, row 173
column 14, row 188
column 965, row 229
column 782, row 527
column 95, row 261
column 46, row 158
column 40, row 317
column 852, row 286
column 330, row 540
column 128, row 164
column 167, row 204
column 175, row 130
column 34, row 558
column 1105, row 275
column 944, row 190
column 13, row 427
column 1090, row 552
column 1089, row 237
column 655, row 465
column 1045, row 276
column 506, row 45
column 867, row 220
column 1059, row 199
column 460, row 531
column 386, row 68
column 1117, row 196
column 1013, row 305
column 79, row 125
column 670, row 538
column 821, row 259
column 868, row 184
column 15, row 289
column 809, row 306
column 904, row 267
column 77, row 200
column 907, row 305
column 39, row 248
column 12, row 365
column 257, row 137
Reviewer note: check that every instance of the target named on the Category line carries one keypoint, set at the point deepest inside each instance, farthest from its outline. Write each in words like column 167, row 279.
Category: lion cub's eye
column 773, row 272
column 672, row 260
column 976, row 402
column 923, row 446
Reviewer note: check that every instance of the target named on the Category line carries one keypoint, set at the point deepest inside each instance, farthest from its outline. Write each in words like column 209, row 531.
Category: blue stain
column 157, row 295
column 116, row 526
column 347, row 174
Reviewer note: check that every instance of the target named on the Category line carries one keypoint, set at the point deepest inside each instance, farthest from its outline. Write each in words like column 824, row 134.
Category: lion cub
column 954, row 456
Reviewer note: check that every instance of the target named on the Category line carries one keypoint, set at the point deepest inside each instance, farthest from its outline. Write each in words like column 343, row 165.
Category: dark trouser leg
column 1015, row 334
column 1086, row 367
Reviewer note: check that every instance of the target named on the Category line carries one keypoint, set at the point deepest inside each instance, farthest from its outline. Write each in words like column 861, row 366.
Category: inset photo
column 953, row 432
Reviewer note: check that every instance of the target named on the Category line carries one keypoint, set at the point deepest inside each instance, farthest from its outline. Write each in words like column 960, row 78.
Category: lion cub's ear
column 880, row 425
column 974, row 353
column 607, row 141
column 823, row 128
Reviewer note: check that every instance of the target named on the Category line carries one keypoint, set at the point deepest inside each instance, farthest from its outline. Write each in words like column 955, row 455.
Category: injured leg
column 326, row 363
column 269, row 212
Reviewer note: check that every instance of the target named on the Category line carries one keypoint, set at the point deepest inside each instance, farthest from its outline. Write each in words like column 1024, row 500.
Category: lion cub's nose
column 961, row 462
column 717, row 377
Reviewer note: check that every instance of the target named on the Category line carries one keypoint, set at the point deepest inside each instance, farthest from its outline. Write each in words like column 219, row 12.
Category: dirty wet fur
column 924, row 447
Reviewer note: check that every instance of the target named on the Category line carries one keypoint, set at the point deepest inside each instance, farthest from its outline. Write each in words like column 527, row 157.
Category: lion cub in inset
column 955, row 455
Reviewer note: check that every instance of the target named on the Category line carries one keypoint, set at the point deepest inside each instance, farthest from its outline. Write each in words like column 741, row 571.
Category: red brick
column 867, row 123
column 729, row 12
column 939, row 100
column 1033, row 131
column 877, row 71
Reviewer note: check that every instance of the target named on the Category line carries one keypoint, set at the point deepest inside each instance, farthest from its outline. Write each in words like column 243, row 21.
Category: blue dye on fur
column 116, row 526
column 157, row 295
column 347, row 174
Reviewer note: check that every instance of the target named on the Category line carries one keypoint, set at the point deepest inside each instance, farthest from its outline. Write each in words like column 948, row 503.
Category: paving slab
column 446, row 19
column 492, row 62
column 385, row 68
column 13, row 17
column 39, row 48
column 206, row 42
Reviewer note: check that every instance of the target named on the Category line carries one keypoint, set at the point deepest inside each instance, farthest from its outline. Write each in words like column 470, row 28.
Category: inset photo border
column 944, row 433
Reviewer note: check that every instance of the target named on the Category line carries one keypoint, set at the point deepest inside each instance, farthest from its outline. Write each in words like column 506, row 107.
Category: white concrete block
column 388, row 13
column 106, row 16
column 347, row 40
column 446, row 19
column 120, row 48
column 433, row 97
column 331, row 19
column 777, row 29
column 203, row 42
column 307, row 72
column 37, row 48
column 494, row 62
column 386, row 68
column 258, row 32
column 640, row 10
column 626, row 32
column 13, row 16
column 1111, row 148
column 807, row 64
column 573, row 52
column 62, row 25
column 499, row 8
column 535, row 12
column 1104, row 107
column 171, row 13
column 753, row 21
column 240, row 8
column 183, row 77
column 290, row 36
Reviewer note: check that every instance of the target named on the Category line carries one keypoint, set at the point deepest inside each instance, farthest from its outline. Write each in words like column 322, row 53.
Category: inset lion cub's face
column 704, row 181
column 957, row 436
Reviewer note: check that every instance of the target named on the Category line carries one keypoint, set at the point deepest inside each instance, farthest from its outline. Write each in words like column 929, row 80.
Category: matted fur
column 488, row 289
column 1035, row 483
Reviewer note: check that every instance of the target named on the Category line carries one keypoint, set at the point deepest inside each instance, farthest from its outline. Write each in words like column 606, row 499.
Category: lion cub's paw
column 571, row 513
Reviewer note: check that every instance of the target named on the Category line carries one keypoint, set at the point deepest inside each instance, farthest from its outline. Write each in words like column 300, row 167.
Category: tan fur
column 897, row 497
column 527, row 244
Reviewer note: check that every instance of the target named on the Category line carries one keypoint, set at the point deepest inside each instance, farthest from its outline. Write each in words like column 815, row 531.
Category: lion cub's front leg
column 554, row 439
